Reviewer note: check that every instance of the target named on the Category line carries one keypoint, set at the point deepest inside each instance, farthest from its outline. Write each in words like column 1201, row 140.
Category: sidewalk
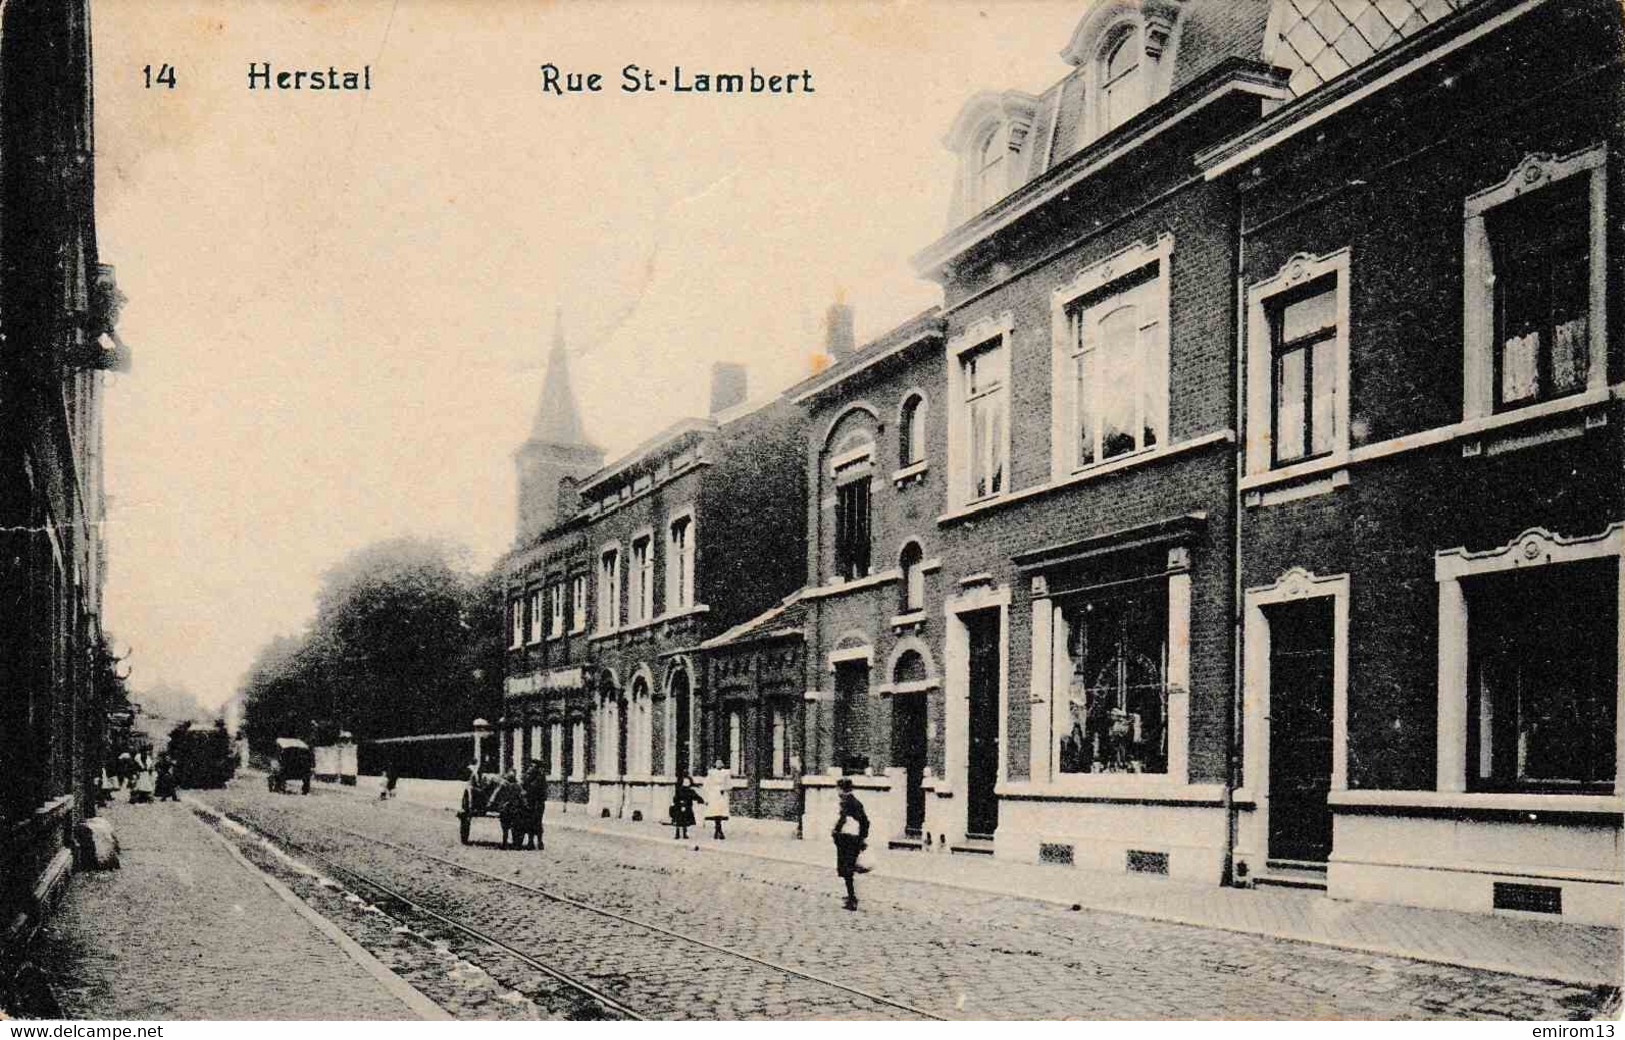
column 187, row 929
column 1577, row 954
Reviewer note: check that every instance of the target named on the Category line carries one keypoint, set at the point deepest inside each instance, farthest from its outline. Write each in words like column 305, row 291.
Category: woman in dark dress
column 682, row 807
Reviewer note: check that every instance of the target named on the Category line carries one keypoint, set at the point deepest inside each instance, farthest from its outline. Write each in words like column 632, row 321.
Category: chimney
column 569, row 503
column 728, row 385
column 838, row 341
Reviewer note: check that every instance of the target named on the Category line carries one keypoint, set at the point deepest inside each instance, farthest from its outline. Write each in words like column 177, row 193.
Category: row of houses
column 58, row 307
column 1251, row 510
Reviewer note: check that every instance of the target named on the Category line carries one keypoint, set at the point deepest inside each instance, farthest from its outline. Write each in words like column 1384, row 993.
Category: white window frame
column 640, row 599
column 912, row 581
column 1121, row 265
column 736, row 742
column 578, row 750
column 640, row 726
column 1299, row 270
column 555, row 751
column 578, row 603
column 1535, row 547
column 555, row 621
column 680, row 562
column 516, row 623
column 908, row 456
column 1132, row 99
column 609, row 588
column 1533, row 173
column 780, row 723
column 973, row 337
column 533, row 609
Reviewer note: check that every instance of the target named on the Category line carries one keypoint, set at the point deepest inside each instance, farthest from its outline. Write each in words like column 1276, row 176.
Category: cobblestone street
column 963, row 953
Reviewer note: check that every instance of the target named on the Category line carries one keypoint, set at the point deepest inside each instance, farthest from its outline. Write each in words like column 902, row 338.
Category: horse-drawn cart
column 518, row 808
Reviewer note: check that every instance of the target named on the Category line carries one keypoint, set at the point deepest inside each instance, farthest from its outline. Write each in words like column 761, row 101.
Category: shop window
column 911, row 431
column 1303, row 344
column 1117, row 696
column 1543, row 678
column 639, row 730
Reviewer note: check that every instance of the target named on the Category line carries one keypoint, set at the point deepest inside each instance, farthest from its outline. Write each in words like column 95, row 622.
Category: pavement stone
column 183, row 932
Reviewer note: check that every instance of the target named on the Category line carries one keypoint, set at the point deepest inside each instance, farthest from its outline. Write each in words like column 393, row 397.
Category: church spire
column 558, row 421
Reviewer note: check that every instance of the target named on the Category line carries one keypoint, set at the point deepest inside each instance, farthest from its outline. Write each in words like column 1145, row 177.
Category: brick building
column 1087, row 531
column 57, row 310
column 1433, row 527
column 642, row 560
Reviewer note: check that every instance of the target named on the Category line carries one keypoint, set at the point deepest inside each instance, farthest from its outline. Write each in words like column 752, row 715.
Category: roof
column 786, row 619
column 927, row 324
column 653, row 446
column 558, row 420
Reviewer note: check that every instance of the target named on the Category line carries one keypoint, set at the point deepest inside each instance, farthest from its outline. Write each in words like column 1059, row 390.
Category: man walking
column 851, row 836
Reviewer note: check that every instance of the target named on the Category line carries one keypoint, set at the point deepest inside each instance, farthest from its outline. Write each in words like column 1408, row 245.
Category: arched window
column 910, row 668
column 911, row 431
column 1120, row 94
column 991, row 182
column 913, row 585
column 639, row 732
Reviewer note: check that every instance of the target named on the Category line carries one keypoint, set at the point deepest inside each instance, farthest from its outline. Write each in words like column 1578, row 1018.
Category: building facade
column 689, row 534
column 58, row 305
column 1433, row 522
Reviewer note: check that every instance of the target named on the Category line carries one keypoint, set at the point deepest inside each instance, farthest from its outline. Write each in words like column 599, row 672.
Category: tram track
column 415, row 903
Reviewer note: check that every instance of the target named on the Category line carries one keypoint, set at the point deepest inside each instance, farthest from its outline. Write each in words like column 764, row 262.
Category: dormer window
column 1121, row 95
column 992, row 177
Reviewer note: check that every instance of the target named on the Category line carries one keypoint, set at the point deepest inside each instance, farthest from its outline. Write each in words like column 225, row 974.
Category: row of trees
column 405, row 640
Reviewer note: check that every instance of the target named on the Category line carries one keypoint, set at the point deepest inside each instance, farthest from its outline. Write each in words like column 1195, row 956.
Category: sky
column 340, row 303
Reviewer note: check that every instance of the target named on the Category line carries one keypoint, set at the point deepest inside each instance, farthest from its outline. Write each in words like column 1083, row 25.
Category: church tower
column 557, row 455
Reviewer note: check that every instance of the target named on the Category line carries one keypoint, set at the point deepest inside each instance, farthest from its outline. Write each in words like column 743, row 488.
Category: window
column 533, row 608
column 578, row 603
column 1303, row 344
column 642, row 602
column 639, row 731
column 1116, row 708
column 991, row 179
column 780, row 763
column 609, row 590
column 986, row 415
column 578, row 750
column 1120, row 95
column 1535, row 285
column 911, row 431
column 516, row 624
column 1543, row 678
column 1542, row 259
column 852, row 533
column 1117, row 378
column 680, row 564
column 736, row 743
column 555, row 626
column 555, row 751
column 913, row 587
column 1298, row 363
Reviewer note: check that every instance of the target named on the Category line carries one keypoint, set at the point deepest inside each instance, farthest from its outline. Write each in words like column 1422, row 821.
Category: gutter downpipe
column 1239, row 418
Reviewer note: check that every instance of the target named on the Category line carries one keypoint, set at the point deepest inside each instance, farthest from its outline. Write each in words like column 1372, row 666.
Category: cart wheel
column 462, row 827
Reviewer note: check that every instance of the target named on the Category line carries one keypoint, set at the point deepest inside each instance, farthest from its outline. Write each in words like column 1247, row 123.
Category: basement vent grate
column 1050, row 853
column 1142, row 862
column 1536, row 899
